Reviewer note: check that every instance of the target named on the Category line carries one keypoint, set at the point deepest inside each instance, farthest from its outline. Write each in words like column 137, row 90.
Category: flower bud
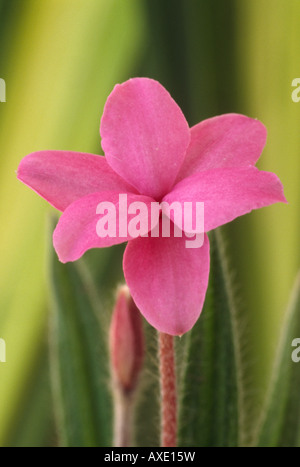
column 126, row 342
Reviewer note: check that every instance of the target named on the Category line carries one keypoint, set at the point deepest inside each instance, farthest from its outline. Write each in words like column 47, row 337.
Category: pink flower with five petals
column 151, row 154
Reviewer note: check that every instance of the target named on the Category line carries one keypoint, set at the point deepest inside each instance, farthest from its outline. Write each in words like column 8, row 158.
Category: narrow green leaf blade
column 147, row 411
column 33, row 422
column 209, row 409
column 78, row 359
column 280, row 425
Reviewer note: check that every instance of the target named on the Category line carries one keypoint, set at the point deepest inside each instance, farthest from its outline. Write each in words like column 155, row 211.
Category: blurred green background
column 60, row 60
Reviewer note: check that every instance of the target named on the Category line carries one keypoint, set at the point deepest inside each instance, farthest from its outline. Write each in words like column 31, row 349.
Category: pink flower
column 151, row 154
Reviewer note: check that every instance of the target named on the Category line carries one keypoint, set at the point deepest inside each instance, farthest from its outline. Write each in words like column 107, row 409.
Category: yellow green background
column 60, row 60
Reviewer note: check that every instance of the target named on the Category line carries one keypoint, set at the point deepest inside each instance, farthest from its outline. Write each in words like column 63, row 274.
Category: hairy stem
column 168, row 390
column 123, row 420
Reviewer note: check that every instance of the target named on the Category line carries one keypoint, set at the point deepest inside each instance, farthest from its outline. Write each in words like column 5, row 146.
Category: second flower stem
column 168, row 390
column 123, row 420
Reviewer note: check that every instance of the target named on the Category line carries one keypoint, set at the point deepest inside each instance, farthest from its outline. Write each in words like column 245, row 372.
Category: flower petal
column 83, row 225
column 229, row 140
column 61, row 177
column 227, row 193
column 167, row 281
column 144, row 135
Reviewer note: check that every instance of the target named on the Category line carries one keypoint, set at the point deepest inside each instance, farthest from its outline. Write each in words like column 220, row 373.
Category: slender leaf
column 280, row 426
column 147, row 416
column 209, row 412
column 79, row 359
column 33, row 424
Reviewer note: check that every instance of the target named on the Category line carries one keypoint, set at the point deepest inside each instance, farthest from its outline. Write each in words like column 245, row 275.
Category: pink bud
column 126, row 341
